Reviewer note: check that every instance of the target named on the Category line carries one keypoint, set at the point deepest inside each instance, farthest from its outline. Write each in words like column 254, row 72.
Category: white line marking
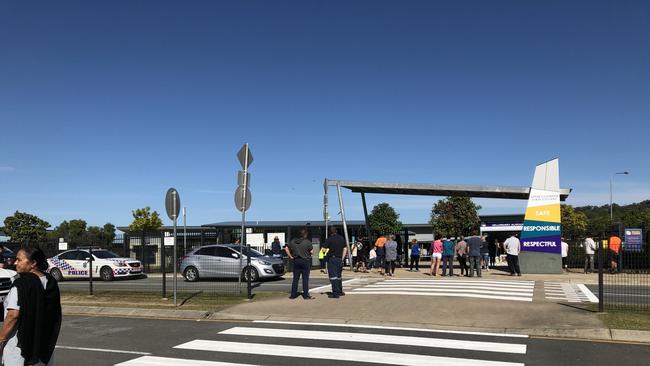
column 440, row 294
column 379, row 338
column 442, row 291
column 468, row 287
column 329, row 287
column 590, row 295
column 503, row 283
column 103, row 350
column 338, row 354
column 164, row 361
column 392, row 328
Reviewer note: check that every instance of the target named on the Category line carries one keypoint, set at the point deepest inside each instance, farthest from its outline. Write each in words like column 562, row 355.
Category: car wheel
column 106, row 273
column 252, row 273
column 191, row 274
column 56, row 274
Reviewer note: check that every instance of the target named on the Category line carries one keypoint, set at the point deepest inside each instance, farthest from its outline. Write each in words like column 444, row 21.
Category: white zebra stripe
column 336, row 354
column 379, row 338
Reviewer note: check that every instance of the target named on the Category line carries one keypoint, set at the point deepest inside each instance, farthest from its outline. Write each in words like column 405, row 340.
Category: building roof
column 506, row 192
column 283, row 223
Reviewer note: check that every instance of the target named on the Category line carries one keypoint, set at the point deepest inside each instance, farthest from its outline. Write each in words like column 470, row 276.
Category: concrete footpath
column 535, row 318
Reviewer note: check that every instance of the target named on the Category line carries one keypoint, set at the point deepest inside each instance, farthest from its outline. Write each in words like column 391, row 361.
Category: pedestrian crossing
column 470, row 288
column 570, row 292
column 286, row 343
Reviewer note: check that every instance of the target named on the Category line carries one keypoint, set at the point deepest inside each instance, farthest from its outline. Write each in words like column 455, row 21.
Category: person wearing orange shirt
column 381, row 253
column 614, row 247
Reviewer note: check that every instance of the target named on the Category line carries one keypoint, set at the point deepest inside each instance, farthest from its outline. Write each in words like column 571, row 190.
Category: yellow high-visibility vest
column 322, row 253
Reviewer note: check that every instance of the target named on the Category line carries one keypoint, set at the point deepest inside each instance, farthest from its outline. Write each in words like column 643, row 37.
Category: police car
column 106, row 265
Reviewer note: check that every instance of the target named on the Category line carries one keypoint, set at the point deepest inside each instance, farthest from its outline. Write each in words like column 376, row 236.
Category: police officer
column 337, row 251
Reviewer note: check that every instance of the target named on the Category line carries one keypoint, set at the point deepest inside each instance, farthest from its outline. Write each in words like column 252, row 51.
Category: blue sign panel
column 633, row 240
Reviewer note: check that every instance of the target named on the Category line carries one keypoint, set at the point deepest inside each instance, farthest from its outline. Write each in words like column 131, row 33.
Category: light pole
column 611, row 183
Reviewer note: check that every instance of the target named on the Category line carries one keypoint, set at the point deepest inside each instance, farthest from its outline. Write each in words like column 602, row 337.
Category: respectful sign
column 633, row 240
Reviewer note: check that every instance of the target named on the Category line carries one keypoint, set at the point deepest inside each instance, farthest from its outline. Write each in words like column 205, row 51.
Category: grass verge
column 626, row 319
column 186, row 301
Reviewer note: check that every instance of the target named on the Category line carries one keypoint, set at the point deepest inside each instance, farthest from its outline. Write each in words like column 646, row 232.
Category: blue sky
column 105, row 105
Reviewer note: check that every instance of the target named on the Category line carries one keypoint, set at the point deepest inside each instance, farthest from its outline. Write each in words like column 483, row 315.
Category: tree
column 102, row 236
column 73, row 232
column 384, row 220
column 145, row 221
column 25, row 228
column 455, row 216
column 574, row 223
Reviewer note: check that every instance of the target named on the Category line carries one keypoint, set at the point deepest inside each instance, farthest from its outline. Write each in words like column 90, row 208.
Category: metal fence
column 202, row 266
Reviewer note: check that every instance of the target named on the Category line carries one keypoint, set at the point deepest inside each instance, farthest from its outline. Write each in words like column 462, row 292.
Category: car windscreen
column 248, row 251
column 105, row 254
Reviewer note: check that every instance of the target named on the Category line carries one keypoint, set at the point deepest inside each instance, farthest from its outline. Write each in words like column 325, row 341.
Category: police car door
column 81, row 264
column 65, row 263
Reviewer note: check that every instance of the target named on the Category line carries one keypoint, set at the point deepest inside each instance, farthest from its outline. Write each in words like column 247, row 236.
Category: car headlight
column 120, row 264
column 263, row 262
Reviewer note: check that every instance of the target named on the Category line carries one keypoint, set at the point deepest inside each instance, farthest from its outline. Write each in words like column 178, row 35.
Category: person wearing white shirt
column 565, row 252
column 512, row 245
column 590, row 247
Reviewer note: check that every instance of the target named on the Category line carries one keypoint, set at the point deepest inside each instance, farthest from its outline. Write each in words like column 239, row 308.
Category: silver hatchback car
column 223, row 261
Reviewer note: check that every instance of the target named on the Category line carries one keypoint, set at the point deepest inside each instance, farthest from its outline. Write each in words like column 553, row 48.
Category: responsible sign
column 169, row 241
column 63, row 245
column 541, row 229
column 633, row 240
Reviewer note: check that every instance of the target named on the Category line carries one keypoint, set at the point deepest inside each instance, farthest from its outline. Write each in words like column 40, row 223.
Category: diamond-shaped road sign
column 245, row 156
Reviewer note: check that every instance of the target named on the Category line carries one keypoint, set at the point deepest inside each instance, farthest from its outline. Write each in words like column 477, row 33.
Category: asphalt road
column 154, row 284
column 623, row 294
column 139, row 342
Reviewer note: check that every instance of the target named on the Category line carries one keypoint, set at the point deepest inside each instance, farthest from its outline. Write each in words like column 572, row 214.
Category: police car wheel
column 106, row 274
column 252, row 272
column 191, row 274
column 56, row 274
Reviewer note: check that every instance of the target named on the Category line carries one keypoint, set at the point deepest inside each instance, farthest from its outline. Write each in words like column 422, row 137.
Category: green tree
column 145, row 220
column 102, row 236
column 25, row 228
column 574, row 223
column 455, row 216
column 384, row 220
column 73, row 232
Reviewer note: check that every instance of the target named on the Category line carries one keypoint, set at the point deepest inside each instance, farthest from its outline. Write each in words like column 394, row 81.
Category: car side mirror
column 234, row 255
column 89, row 259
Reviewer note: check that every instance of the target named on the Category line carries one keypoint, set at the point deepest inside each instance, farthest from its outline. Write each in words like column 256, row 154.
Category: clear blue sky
column 105, row 105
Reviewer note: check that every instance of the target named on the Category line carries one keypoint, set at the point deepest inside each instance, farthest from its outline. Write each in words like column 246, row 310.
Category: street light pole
column 611, row 183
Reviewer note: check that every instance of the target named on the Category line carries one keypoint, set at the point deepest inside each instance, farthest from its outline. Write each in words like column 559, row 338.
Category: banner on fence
column 633, row 240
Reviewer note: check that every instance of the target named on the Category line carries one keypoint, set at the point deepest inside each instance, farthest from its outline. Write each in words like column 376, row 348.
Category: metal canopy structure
column 503, row 192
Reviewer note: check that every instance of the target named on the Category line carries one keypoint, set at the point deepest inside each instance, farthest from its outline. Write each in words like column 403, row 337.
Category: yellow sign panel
column 548, row 213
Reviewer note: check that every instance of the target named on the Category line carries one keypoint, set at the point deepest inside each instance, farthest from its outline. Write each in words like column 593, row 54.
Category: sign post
column 242, row 203
column 173, row 206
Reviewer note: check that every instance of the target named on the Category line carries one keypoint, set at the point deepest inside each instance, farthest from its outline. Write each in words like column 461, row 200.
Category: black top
column 300, row 248
column 276, row 248
column 335, row 243
column 39, row 319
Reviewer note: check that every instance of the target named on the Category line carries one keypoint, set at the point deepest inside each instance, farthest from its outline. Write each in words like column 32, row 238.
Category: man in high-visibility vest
column 322, row 254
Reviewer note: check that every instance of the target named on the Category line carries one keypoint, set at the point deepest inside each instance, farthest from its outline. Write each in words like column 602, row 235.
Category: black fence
column 147, row 265
column 626, row 273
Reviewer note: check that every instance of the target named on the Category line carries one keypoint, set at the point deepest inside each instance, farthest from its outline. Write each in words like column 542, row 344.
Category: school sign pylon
column 542, row 228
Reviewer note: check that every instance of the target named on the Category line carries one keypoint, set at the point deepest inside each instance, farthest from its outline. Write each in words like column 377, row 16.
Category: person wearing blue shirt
column 415, row 256
column 447, row 257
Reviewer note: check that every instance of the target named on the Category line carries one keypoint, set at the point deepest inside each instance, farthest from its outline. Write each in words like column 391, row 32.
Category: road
column 628, row 294
column 139, row 342
column 154, row 284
